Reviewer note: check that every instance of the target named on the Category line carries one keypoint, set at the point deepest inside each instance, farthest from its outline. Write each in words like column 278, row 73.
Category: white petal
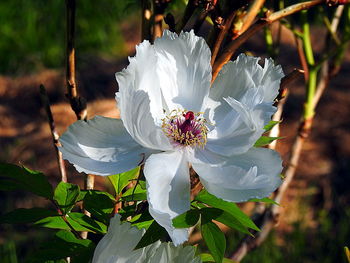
column 240, row 128
column 184, row 70
column 101, row 146
column 241, row 104
column 168, row 253
column 254, row 174
column 245, row 73
column 168, row 190
column 118, row 244
column 199, row 155
column 140, row 99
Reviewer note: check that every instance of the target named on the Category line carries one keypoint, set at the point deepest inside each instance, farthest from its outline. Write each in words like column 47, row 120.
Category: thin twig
column 233, row 45
column 221, row 36
column 46, row 104
column 271, row 215
column 248, row 19
column 78, row 104
column 282, row 97
column 63, row 216
column 190, row 7
column 146, row 20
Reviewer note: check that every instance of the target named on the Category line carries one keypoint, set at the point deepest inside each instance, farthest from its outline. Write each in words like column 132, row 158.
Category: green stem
column 269, row 41
column 312, row 81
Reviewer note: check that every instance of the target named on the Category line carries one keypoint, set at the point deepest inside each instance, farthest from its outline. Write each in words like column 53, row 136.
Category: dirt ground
column 322, row 178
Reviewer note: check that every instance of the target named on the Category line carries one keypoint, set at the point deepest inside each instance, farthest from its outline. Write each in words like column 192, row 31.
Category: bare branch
column 46, row 104
column 250, row 16
column 78, row 104
column 233, row 45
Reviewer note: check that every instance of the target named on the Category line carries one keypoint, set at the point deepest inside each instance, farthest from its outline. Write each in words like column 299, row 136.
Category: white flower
column 117, row 246
column 171, row 118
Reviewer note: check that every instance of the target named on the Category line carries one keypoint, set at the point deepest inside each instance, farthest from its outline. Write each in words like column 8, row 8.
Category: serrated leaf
column 66, row 195
column 215, row 240
column 120, row 181
column 153, row 233
column 265, row 140
column 99, row 204
column 63, row 245
column 205, row 257
column 270, row 125
column 187, row 219
column 29, row 180
column 23, row 215
column 137, row 193
column 210, row 213
column 229, row 207
column 264, row 200
column 87, row 222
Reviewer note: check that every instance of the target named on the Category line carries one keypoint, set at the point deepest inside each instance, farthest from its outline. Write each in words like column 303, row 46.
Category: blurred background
column 315, row 224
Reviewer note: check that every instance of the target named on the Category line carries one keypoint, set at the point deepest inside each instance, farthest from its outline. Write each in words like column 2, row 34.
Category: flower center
column 185, row 128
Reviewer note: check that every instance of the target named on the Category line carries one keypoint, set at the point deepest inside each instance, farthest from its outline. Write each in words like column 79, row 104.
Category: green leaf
column 143, row 220
column 205, row 257
column 265, row 140
column 264, row 200
column 270, row 125
column 24, row 178
column 10, row 185
column 57, row 222
column 88, row 222
column 63, row 245
column 100, row 205
column 210, row 213
column 81, row 196
column 215, row 240
column 137, row 193
column 23, row 215
column 187, row 219
column 153, row 233
column 120, row 181
column 8, row 252
column 229, row 207
column 66, row 195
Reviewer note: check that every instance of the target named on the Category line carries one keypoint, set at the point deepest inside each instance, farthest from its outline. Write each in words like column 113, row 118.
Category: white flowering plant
column 191, row 142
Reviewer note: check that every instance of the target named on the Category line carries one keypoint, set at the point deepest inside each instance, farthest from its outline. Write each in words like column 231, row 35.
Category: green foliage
column 23, row 215
column 25, row 179
column 214, row 239
column 34, row 35
column 153, row 233
column 120, row 181
column 66, row 195
column 64, row 244
column 270, row 125
column 229, row 207
column 187, row 219
column 8, row 252
column 265, row 140
column 206, row 258
column 99, row 204
column 265, row 200
column 88, row 223
column 137, row 193
column 222, row 211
